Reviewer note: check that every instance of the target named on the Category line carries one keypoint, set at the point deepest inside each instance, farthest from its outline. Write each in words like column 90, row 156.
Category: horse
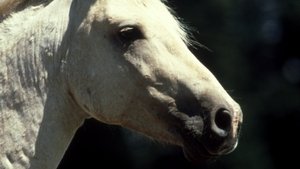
column 121, row 62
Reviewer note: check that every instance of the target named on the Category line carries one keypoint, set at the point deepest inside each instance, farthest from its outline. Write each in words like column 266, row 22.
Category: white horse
column 122, row 62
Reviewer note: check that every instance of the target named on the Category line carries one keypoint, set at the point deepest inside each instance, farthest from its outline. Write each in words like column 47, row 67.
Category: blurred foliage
column 255, row 56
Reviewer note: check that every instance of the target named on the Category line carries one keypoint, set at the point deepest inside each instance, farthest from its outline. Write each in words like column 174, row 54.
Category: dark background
column 255, row 55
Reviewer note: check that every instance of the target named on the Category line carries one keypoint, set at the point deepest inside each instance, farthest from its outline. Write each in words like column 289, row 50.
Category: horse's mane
column 7, row 7
column 10, row 6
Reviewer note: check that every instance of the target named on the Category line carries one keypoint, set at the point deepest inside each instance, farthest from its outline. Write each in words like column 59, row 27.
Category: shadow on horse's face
column 130, row 66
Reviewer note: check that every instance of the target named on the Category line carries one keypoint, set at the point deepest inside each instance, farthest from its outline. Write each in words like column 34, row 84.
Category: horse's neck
column 36, row 124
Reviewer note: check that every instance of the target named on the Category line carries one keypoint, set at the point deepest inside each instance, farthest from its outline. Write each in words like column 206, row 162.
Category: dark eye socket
column 129, row 34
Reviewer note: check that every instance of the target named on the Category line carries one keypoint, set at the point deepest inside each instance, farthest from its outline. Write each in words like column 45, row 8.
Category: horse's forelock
column 186, row 32
column 183, row 29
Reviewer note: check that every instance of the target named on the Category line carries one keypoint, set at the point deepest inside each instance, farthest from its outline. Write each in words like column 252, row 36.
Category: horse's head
column 128, row 64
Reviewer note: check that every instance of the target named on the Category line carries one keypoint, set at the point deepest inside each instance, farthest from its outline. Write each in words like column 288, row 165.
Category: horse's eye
column 129, row 34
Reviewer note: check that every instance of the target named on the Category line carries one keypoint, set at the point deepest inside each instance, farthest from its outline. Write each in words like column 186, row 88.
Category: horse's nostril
column 223, row 120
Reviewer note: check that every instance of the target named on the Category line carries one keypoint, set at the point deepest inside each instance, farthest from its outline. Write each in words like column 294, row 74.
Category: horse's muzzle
column 218, row 135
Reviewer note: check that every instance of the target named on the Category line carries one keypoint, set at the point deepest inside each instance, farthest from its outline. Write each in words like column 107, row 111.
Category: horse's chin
column 197, row 154
column 197, row 158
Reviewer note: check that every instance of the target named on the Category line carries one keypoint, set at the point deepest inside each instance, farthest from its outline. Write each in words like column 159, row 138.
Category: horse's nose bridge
column 200, row 93
column 196, row 98
column 209, row 100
